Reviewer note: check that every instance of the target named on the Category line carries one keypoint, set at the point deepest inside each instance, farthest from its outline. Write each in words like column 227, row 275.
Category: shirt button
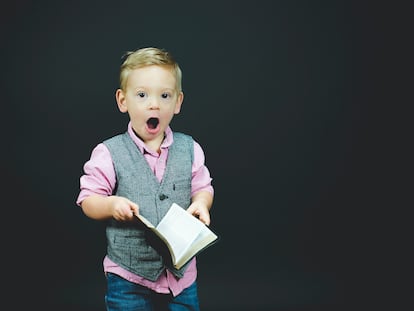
column 163, row 197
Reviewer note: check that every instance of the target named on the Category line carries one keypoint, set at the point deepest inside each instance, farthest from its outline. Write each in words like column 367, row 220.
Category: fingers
column 134, row 209
column 202, row 214
column 205, row 218
column 124, row 209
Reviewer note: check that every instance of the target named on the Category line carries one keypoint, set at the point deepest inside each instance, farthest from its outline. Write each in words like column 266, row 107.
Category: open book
column 184, row 235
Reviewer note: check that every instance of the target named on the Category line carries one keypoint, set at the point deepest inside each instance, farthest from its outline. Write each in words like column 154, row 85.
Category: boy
column 145, row 170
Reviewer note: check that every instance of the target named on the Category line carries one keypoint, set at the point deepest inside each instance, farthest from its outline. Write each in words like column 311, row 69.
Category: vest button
column 163, row 197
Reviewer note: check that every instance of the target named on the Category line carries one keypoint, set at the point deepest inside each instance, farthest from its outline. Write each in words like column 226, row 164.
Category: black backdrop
column 275, row 92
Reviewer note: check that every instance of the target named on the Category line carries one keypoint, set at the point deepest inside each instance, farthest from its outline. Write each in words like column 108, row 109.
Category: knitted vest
column 130, row 245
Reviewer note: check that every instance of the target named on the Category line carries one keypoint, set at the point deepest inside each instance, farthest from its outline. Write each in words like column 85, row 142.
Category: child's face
column 151, row 100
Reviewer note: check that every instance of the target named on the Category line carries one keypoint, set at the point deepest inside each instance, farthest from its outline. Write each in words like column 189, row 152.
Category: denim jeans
column 123, row 295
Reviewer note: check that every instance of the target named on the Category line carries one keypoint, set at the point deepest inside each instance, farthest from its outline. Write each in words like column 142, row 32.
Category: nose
column 154, row 104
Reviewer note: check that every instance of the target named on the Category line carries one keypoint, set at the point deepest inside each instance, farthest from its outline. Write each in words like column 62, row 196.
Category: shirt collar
column 168, row 139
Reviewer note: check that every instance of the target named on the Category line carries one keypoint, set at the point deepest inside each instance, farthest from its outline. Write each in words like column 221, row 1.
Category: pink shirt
column 99, row 178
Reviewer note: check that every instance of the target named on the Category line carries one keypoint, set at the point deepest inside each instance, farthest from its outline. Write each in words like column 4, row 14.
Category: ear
column 179, row 103
column 121, row 100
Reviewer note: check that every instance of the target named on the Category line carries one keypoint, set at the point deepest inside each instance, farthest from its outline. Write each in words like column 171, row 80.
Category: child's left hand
column 200, row 211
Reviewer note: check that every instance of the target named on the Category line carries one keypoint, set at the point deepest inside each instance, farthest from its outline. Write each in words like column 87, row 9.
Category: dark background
column 287, row 101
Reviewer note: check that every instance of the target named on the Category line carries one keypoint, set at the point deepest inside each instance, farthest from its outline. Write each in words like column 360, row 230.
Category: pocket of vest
column 133, row 246
column 130, row 239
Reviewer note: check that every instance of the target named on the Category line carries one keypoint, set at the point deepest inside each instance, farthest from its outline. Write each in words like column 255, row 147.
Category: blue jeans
column 123, row 295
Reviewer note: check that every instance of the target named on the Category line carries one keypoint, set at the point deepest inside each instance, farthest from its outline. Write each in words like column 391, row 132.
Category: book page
column 184, row 234
column 145, row 221
column 180, row 229
column 205, row 237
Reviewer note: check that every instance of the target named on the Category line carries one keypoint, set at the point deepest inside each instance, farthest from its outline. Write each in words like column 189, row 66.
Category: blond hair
column 147, row 57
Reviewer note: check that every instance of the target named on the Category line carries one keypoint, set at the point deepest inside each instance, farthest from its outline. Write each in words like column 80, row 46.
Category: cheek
column 167, row 116
column 136, row 114
column 169, row 109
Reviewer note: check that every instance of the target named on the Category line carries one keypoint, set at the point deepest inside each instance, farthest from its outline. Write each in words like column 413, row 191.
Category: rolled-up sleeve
column 98, row 174
column 201, row 179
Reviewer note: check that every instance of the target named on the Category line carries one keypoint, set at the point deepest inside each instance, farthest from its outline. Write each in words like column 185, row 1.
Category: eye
column 165, row 95
column 141, row 94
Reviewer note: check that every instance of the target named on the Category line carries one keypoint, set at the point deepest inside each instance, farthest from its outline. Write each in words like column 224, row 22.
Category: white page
column 180, row 228
column 204, row 238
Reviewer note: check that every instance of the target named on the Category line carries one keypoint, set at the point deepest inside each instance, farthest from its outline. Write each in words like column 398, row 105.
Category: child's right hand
column 123, row 209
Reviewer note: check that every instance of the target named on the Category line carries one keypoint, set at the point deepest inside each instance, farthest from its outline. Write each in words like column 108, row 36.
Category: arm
column 200, row 206
column 202, row 190
column 101, row 207
column 97, row 184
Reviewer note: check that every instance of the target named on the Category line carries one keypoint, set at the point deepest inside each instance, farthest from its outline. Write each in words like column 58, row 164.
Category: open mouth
column 152, row 123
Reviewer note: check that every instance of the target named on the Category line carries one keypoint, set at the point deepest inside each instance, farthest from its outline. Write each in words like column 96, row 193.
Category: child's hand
column 123, row 209
column 200, row 211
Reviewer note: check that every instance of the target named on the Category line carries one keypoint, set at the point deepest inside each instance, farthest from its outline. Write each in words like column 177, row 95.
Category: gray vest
column 130, row 245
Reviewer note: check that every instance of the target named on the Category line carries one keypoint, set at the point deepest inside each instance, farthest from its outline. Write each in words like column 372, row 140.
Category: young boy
column 145, row 170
